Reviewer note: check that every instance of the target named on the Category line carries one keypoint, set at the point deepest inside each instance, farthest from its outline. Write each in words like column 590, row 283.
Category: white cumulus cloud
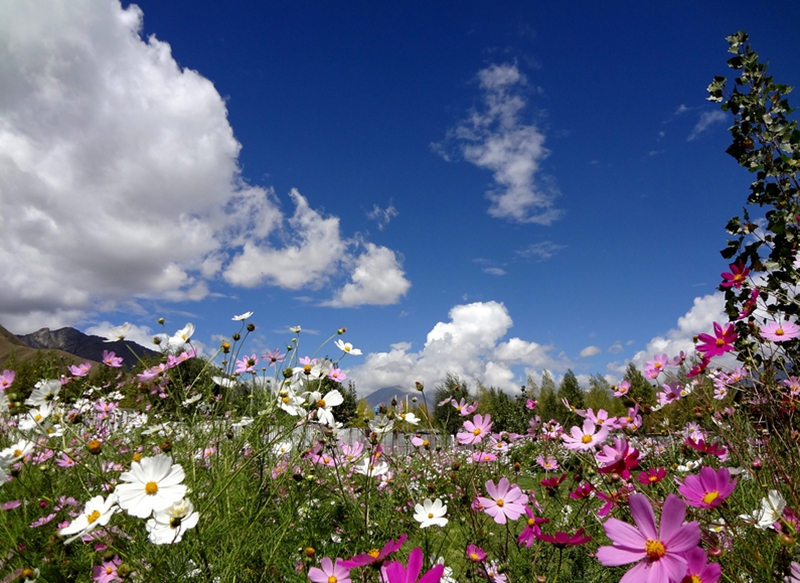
column 590, row 351
column 119, row 175
column 496, row 138
column 376, row 279
column 468, row 345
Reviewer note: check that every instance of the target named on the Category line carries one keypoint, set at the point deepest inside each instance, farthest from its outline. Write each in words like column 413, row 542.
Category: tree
column 600, row 396
column 549, row 406
column 571, row 390
column 446, row 417
column 641, row 391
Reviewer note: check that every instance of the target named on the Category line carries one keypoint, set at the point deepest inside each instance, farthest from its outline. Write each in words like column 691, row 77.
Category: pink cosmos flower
column 737, row 275
column 337, row 375
column 6, row 379
column 750, row 304
column 794, row 577
column 699, row 570
column 395, row 572
column 623, row 389
column 656, row 366
column 111, row 359
column 506, row 501
column 463, row 407
column 587, row 438
column 475, row 430
column 548, row 463
column 720, row 343
column 246, row 364
column 80, row 370
column 273, row 356
column 660, row 554
column 709, row 489
column 530, row 404
column 620, row 458
column 777, row 332
column 330, row 571
column 107, row 572
column 793, row 383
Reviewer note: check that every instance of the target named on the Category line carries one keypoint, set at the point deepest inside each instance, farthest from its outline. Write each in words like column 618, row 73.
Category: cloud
column 377, row 279
column 698, row 320
column 590, row 351
column 468, row 345
column 543, row 250
column 119, row 175
column 615, row 348
column 494, row 270
column 707, row 119
column 495, row 138
column 141, row 335
column 382, row 216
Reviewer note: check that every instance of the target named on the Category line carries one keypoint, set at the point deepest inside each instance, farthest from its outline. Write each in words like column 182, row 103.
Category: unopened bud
column 94, row 447
column 156, row 340
column 161, row 321
column 236, row 336
column 251, row 327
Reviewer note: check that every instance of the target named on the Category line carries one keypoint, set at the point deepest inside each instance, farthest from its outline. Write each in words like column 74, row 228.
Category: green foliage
column 641, row 391
column 767, row 143
column 508, row 414
column 600, row 396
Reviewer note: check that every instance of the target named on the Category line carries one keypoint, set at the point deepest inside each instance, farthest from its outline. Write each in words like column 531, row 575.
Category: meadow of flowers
column 236, row 467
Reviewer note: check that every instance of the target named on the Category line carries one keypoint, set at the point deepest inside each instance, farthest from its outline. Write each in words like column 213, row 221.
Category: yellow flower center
column 285, row 399
column 720, row 342
column 586, row 439
column 476, row 431
column 474, row 557
column 710, row 497
column 137, row 457
column 332, row 579
column 500, row 503
column 531, row 522
column 321, row 403
column 109, row 570
column 94, row 515
column 374, row 553
column 425, row 442
column 779, row 332
column 653, row 478
column 151, row 488
column 695, row 579
column 307, row 369
column 430, row 514
column 654, row 549
column 17, row 452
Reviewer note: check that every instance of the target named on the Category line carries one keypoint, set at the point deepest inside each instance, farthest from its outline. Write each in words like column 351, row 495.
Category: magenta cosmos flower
column 563, row 539
column 659, row 553
column 718, row 344
column 777, row 332
column 330, row 572
column 506, row 501
column 395, row 572
column 737, row 275
column 375, row 555
column 475, row 430
column 699, row 570
column 709, row 489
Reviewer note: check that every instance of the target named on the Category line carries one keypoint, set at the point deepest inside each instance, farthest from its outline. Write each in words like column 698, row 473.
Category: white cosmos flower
column 771, row 510
column 44, row 393
column 241, row 317
column 118, row 332
column 430, row 513
column 409, row 418
column 324, row 404
column 295, row 329
column 36, row 418
column 368, row 468
column 97, row 512
column 152, row 485
column 182, row 336
column 15, row 452
column 167, row 526
column 347, row 347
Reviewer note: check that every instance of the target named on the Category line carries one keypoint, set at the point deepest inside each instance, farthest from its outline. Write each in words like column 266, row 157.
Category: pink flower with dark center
column 750, row 304
column 246, row 364
column 659, row 554
column 652, row 476
column 720, row 343
column 6, row 379
column 709, row 489
column 475, row 430
column 506, row 501
column 620, row 458
column 777, row 332
column 737, row 275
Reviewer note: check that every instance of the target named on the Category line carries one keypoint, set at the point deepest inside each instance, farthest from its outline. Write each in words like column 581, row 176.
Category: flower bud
column 161, row 321
column 94, row 447
column 251, row 327
column 236, row 336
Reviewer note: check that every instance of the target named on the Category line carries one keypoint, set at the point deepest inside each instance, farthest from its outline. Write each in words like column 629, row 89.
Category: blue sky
column 490, row 190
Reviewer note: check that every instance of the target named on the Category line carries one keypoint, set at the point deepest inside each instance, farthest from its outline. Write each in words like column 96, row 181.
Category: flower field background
column 247, row 467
